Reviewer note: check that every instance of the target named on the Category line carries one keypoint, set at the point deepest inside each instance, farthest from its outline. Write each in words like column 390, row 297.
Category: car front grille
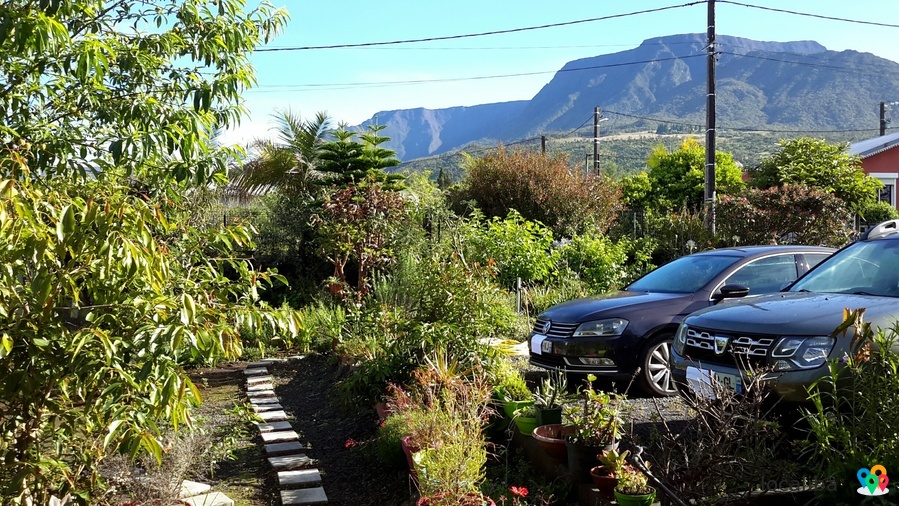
column 556, row 329
column 739, row 350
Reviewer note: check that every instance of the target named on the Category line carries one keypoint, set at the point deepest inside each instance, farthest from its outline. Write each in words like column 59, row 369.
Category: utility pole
column 883, row 119
column 710, row 123
column 543, row 144
column 596, row 116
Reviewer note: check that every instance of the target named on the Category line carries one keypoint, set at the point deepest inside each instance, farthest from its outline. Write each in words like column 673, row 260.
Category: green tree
column 290, row 163
column 346, row 161
column 819, row 164
column 678, row 178
column 109, row 108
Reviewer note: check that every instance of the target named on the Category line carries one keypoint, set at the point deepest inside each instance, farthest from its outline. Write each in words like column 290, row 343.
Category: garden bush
column 515, row 247
column 854, row 418
column 541, row 188
column 595, row 259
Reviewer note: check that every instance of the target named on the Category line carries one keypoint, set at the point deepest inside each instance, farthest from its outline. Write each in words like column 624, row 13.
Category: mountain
column 760, row 85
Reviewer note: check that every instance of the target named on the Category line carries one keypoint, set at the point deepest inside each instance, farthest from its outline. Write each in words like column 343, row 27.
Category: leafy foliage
column 595, row 259
column 820, row 164
column 788, row 214
column 541, row 188
column 132, row 87
column 678, row 178
column 516, row 247
column 101, row 300
column 851, row 428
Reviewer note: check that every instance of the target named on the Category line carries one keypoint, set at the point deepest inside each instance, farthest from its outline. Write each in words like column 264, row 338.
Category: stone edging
column 299, row 482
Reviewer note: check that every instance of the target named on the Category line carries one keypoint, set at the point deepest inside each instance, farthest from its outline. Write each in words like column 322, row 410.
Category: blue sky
column 353, row 84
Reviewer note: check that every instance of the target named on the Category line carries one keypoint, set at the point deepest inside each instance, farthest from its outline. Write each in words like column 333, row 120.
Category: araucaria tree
column 108, row 108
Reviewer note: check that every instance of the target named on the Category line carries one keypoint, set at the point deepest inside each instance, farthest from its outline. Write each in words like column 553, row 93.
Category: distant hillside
column 765, row 85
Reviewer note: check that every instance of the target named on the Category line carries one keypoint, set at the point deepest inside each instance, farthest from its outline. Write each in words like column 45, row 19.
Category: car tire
column 655, row 367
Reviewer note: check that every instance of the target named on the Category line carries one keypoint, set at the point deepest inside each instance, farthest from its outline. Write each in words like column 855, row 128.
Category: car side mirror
column 732, row 291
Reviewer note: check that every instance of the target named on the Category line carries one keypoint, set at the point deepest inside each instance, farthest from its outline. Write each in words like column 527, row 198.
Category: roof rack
column 881, row 230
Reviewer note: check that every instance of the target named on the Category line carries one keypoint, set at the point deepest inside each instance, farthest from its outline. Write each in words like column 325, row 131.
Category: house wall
column 885, row 167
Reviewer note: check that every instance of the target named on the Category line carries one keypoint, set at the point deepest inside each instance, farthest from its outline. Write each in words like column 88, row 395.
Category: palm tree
column 289, row 163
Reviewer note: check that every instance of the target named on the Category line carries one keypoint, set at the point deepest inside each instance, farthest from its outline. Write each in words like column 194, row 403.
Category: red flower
column 519, row 491
column 350, row 443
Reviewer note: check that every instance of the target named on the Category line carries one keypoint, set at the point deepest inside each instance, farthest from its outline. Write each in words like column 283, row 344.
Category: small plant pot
column 409, row 448
column 604, row 481
column 635, row 500
column 509, row 407
column 470, row 499
column 551, row 439
column 549, row 416
column 582, row 458
column 526, row 425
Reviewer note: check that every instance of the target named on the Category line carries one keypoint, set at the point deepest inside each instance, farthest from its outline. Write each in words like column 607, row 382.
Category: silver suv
column 789, row 332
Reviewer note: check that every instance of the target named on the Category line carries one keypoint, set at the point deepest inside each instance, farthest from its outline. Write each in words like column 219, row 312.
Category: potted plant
column 551, row 439
column 605, row 475
column 596, row 422
column 526, row 419
column 633, row 487
column 512, row 390
column 550, row 397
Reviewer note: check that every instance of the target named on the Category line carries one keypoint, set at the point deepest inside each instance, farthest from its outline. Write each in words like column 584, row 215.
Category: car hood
column 613, row 304
column 794, row 313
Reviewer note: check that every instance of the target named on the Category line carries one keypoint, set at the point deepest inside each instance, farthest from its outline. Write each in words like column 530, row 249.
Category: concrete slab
column 260, row 393
column 255, row 371
column 252, row 380
column 290, row 462
column 279, row 436
column 278, row 449
column 192, row 488
column 211, row 499
column 256, row 401
column 259, row 408
column 272, row 416
column 259, row 387
column 304, row 496
column 269, row 427
column 304, row 478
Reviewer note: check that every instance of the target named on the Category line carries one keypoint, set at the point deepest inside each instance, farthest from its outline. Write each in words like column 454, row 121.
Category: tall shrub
column 541, row 188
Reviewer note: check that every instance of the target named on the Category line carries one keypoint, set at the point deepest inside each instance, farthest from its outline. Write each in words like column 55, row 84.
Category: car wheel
column 655, row 364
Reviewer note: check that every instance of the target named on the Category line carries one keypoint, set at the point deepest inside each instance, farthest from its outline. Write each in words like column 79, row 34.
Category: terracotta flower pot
column 551, row 439
column 409, row 448
column 604, row 481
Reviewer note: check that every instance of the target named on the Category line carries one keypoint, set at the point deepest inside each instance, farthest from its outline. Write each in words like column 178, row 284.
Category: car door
column 767, row 274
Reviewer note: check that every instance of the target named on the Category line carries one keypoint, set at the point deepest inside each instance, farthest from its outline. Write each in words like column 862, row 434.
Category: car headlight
column 600, row 328
column 680, row 339
column 795, row 353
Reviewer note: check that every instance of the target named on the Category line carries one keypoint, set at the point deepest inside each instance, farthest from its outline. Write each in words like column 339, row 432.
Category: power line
column 516, row 48
column 740, row 129
column 480, row 34
column 374, row 84
column 853, row 70
column 810, row 15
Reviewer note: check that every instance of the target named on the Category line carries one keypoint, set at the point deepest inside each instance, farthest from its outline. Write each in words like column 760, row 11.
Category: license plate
column 701, row 381
column 546, row 347
column 729, row 381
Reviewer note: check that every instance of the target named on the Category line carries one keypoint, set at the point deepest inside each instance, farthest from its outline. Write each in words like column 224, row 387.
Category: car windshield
column 867, row 268
column 684, row 275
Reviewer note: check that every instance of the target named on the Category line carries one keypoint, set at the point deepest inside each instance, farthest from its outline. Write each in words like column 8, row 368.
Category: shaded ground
column 341, row 438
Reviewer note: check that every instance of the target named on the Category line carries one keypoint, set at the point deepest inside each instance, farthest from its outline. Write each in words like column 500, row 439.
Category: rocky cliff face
column 775, row 85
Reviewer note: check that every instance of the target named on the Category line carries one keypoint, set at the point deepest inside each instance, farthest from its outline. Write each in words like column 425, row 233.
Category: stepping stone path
column 298, row 481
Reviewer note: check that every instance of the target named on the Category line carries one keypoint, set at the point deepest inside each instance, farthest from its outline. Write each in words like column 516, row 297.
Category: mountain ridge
column 760, row 84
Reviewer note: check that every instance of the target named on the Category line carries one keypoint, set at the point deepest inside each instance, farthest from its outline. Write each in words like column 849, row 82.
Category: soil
column 341, row 438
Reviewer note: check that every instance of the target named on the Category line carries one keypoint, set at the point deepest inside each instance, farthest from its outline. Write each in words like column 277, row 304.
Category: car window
column 684, row 275
column 765, row 275
column 865, row 267
column 814, row 259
